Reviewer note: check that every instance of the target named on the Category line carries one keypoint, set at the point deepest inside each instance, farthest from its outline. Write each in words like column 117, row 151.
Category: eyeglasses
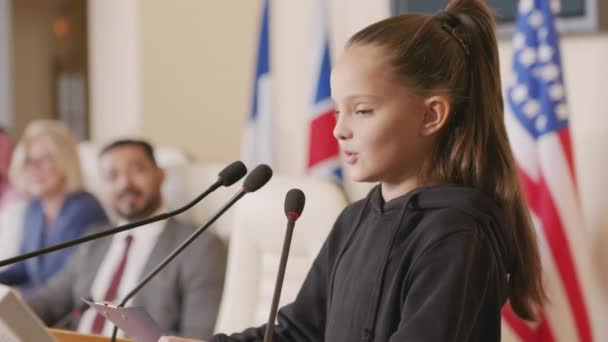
column 42, row 161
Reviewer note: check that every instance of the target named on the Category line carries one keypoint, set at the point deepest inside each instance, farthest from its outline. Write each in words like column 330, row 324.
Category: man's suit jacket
column 183, row 298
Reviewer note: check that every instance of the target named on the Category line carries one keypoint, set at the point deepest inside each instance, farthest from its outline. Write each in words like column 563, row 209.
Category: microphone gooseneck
column 294, row 205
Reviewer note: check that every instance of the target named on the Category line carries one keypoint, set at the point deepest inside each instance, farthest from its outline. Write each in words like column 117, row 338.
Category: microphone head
column 294, row 203
column 257, row 178
column 232, row 173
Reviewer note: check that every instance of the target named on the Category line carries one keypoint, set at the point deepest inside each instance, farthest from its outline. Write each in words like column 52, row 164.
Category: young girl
column 445, row 239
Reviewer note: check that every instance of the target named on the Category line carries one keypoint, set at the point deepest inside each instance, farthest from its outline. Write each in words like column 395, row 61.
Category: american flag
column 323, row 151
column 257, row 142
column 537, row 121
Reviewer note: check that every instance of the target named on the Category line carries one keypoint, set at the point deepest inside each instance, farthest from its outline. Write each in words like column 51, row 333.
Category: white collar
column 149, row 231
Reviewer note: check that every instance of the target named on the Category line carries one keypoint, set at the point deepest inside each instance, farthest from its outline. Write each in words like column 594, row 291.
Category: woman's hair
column 63, row 153
column 455, row 52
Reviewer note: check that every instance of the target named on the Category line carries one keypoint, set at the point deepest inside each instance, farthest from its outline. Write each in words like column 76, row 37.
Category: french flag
column 323, row 151
column 257, row 142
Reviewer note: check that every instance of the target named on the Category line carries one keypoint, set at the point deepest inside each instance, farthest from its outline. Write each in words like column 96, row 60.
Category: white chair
column 189, row 181
column 256, row 242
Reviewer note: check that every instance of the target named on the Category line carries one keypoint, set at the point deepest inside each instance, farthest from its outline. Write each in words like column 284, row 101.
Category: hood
column 465, row 199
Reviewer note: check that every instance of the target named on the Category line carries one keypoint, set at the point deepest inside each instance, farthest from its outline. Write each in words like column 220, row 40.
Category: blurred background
column 182, row 73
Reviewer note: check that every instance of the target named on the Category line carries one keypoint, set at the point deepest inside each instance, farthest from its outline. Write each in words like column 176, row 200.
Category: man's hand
column 177, row 339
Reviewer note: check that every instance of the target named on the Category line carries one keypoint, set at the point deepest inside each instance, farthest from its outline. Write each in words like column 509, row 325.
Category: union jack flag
column 537, row 121
column 323, row 151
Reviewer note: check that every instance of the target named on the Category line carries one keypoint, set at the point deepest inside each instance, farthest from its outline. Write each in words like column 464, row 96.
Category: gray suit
column 183, row 298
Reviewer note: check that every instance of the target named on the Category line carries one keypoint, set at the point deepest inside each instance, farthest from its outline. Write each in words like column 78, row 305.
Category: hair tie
column 449, row 22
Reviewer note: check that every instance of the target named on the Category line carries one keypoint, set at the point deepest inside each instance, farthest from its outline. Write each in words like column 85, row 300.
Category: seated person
column 46, row 167
column 184, row 298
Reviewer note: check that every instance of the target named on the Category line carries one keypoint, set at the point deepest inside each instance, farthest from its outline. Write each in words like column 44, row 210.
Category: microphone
column 254, row 181
column 228, row 176
column 294, row 205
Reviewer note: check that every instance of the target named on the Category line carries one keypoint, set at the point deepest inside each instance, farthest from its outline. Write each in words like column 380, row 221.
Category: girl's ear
column 436, row 114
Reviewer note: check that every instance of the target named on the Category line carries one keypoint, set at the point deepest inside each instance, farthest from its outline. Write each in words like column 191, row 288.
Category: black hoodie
column 430, row 265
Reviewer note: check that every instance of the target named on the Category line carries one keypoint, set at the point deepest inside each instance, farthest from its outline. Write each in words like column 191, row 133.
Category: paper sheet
column 135, row 321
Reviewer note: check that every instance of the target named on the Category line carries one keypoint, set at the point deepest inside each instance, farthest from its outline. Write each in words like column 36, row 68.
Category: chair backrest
column 189, row 181
column 256, row 242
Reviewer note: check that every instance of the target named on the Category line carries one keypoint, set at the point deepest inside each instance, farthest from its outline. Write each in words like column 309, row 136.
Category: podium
column 19, row 323
column 71, row 336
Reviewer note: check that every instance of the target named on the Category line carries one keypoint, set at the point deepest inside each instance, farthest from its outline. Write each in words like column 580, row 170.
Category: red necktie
column 100, row 320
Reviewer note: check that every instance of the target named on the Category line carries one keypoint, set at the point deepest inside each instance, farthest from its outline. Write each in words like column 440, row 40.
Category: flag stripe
column 564, row 137
column 323, row 149
column 523, row 145
column 323, row 146
column 542, row 204
column 557, row 310
column 545, row 333
column 263, row 58
column 257, row 140
column 519, row 327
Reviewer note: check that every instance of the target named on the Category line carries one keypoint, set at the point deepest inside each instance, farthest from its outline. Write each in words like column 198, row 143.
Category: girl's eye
column 364, row 111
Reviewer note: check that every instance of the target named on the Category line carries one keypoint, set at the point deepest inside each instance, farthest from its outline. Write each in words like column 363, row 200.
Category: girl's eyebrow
column 359, row 96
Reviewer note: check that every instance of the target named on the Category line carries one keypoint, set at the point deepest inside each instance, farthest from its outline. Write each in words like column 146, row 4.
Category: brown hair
column 455, row 51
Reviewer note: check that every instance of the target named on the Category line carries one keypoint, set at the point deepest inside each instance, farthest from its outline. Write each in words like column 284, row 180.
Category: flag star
column 551, row 72
column 545, row 52
column 519, row 41
column 527, row 56
column 531, row 108
column 562, row 111
column 557, row 92
column 535, row 19
column 525, row 6
column 541, row 123
column 519, row 93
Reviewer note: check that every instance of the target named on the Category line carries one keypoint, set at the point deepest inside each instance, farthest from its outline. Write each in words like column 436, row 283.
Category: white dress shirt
column 144, row 240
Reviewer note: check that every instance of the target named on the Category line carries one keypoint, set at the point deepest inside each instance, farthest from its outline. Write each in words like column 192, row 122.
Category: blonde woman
column 46, row 167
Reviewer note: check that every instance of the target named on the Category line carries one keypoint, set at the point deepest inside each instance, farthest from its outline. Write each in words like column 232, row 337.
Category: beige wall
column 195, row 74
column 114, row 66
column 32, row 62
column 197, row 67
column 182, row 74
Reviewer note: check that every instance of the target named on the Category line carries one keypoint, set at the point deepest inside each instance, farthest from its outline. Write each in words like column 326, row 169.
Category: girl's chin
column 359, row 176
